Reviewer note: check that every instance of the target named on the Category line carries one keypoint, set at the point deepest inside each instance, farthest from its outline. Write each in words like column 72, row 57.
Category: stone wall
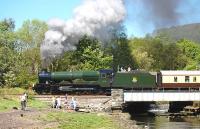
column 117, row 96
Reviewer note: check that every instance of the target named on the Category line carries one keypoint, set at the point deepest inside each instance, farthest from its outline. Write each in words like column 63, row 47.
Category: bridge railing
column 143, row 96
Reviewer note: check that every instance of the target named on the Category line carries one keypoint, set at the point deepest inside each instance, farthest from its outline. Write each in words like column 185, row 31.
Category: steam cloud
column 96, row 18
column 162, row 13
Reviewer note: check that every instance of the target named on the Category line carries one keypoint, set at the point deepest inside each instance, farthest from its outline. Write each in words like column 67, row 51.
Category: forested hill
column 188, row 31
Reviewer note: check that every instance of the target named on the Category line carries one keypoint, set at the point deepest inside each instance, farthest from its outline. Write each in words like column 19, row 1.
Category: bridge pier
column 117, row 96
column 177, row 99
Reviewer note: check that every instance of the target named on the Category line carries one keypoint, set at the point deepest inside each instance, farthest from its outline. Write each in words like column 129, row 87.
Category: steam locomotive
column 103, row 80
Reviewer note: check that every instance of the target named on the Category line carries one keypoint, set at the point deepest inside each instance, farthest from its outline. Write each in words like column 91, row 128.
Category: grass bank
column 7, row 102
column 15, row 91
column 78, row 120
column 9, row 98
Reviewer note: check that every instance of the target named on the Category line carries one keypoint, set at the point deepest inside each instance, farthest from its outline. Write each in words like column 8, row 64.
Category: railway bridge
column 160, row 96
column 120, row 96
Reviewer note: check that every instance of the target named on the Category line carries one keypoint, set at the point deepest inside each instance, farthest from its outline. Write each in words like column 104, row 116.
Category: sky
column 143, row 16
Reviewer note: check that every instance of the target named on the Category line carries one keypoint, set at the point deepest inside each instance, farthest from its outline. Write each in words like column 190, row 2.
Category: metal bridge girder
column 161, row 96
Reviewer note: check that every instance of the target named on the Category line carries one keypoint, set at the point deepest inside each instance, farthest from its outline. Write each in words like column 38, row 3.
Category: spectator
column 66, row 96
column 53, row 102
column 26, row 99
column 73, row 104
column 58, row 105
column 65, row 101
column 23, row 101
column 129, row 69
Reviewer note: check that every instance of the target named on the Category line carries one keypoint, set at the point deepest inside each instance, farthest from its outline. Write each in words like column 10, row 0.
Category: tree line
column 20, row 59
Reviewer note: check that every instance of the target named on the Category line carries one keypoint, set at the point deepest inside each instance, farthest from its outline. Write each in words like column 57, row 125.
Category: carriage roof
column 179, row 73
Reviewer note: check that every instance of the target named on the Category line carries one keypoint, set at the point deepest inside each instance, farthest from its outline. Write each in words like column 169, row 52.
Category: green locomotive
column 95, row 81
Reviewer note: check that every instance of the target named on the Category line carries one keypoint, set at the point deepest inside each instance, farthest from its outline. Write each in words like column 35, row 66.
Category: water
column 163, row 122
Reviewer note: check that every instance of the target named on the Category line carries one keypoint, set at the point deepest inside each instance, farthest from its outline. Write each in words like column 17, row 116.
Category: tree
column 191, row 52
column 7, row 35
column 122, row 53
column 172, row 58
column 89, row 55
column 7, row 52
column 29, row 38
column 143, row 60
column 20, row 51
column 95, row 59
column 154, row 54
column 147, row 53
column 31, row 34
column 62, row 63
column 84, row 43
column 189, row 48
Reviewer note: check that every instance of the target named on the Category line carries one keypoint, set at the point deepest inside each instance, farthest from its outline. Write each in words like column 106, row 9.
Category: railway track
column 82, row 100
column 88, row 103
column 85, row 102
column 43, row 97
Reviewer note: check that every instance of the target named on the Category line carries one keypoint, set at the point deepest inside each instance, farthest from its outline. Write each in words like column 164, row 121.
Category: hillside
column 188, row 31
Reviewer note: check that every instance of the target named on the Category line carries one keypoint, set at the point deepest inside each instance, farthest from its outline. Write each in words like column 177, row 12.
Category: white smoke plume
column 96, row 18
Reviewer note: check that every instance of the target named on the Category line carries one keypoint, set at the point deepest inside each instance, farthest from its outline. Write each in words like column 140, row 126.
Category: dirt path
column 17, row 119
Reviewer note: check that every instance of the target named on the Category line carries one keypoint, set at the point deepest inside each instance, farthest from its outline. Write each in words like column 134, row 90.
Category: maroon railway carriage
column 179, row 79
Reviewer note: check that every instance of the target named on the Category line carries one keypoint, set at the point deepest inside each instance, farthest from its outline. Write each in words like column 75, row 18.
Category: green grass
column 37, row 103
column 8, row 102
column 77, row 120
column 8, row 99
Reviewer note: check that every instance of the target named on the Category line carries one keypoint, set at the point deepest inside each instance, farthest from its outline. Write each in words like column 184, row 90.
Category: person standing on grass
column 73, row 104
column 26, row 99
column 53, row 102
column 23, row 101
column 65, row 101
column 58, row 102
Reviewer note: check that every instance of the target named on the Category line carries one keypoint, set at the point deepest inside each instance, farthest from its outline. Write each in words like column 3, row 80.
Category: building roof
column 179, row 73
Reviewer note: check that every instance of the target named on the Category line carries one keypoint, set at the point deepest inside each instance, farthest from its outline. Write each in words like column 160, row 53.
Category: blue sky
column 21, row 10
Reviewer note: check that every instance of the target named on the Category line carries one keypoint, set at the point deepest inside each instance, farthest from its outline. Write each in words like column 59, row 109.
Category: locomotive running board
column 64, row 88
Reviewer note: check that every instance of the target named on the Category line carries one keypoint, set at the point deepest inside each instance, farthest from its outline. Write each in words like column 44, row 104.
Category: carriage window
column 194, row 79
column 175, row 79
column 187, row 79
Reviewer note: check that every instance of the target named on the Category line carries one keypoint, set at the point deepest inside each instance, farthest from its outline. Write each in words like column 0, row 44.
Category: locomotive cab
column 106, row 78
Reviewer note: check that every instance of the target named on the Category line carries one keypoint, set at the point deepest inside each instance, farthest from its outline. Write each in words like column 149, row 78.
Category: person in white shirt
column 23, row 101
column 129, row 69
column 58, row 102
column 73, row 104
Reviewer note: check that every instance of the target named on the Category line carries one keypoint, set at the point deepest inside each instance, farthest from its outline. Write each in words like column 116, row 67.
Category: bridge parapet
column 142, row 96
